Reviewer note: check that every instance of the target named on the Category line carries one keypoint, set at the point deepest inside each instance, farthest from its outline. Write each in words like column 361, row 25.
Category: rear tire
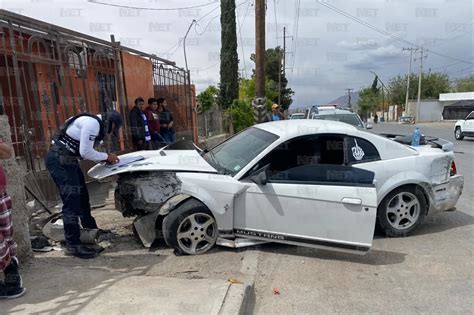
column 458, row 134
column 190, row 228
column 402, row 211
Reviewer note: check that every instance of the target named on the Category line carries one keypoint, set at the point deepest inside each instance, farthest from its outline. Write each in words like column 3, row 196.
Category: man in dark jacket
column 139, row 126
column 166, row 121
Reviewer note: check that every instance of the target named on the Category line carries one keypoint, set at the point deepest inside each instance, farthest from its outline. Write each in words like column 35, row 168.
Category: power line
column 276, row 22
column 207, row 26
column 150, row 9
column 379, row 30
column 240, row 37
column 295, row 32
column 214, row 17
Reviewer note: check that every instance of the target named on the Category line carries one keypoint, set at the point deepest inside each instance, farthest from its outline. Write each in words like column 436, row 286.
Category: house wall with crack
column 15, row 188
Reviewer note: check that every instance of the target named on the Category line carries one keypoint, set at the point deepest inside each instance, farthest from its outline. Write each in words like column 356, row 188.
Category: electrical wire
column 379, row 30
column 241, row 40
column 295, row 33
column 276, row 22
column 150, row 9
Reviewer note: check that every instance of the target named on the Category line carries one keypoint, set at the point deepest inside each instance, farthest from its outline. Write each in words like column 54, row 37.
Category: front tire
column 458, row 133
column 402, row 211
column 190, row 228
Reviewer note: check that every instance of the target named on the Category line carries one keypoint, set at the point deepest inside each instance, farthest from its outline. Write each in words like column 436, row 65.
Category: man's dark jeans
column 69, row 179
column 168, row 134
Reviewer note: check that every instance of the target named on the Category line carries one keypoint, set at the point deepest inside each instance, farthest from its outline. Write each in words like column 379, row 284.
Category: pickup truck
column 464, row 127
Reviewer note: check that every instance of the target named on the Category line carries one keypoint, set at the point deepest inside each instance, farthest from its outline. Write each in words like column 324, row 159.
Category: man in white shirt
column 76, row 140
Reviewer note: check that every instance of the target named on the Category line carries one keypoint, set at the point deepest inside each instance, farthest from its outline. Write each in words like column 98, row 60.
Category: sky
column 331, row 45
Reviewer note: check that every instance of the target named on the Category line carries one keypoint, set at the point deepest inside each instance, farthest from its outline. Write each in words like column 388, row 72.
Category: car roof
column 300, row 127
column 335, row 111
column 289, row 129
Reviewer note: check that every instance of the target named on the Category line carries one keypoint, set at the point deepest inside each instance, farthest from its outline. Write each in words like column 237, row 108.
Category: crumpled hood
column 156, row 160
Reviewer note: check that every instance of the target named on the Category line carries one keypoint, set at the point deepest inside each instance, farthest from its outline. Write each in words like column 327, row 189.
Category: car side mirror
column 259, row 177
column 369, row 126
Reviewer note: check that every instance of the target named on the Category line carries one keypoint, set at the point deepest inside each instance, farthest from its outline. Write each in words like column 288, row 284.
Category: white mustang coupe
column 305, row 182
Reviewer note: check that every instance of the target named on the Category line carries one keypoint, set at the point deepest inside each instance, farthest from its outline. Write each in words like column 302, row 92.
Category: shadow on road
column 373, row 257
column 444, row 221
column 59, row 285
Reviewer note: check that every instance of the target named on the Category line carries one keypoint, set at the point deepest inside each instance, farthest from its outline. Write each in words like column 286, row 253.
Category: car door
column 303, row 194
column 469, row 124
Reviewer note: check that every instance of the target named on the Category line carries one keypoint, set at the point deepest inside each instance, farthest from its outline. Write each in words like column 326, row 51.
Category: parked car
column 406, row 120
column 464, row 127
column 298, row 116
column 342, row 115
column 312, row 183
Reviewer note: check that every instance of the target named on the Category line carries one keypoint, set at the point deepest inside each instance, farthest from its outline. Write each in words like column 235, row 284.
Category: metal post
column 418, row 111
column 260, row 48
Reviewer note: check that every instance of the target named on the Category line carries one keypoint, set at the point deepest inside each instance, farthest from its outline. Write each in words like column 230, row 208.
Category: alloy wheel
column 403, row 210
column 197, row 233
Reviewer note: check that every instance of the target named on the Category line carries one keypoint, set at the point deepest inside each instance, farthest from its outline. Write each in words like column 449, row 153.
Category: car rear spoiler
column 435, row 142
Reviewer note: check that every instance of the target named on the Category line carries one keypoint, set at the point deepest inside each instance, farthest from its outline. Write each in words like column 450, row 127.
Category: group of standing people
column 151, row 125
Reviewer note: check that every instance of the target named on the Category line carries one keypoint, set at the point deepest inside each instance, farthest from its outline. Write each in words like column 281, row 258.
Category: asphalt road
column 428, row 272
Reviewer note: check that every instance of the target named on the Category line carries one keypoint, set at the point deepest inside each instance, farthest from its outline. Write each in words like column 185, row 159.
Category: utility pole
column 409, row 74
column 418, row 111
column 282, row 60
column 258, row 103
column 260, row 48
column 349, row 90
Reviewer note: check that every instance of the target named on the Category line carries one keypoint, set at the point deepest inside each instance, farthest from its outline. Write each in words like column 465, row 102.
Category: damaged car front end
column 147, row 196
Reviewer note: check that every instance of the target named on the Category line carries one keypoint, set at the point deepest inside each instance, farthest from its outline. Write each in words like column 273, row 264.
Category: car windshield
column 297, row 116
column 350, row 119
column 232, row 155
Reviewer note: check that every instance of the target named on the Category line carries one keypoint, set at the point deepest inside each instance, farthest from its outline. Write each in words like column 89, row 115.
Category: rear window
column 350, row 119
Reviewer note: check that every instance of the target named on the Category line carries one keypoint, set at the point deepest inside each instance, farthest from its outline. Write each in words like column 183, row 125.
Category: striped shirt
column 7, row 245
column 147, row 130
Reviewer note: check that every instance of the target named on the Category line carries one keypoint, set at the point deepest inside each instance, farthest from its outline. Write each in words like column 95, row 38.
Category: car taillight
column 453, row 170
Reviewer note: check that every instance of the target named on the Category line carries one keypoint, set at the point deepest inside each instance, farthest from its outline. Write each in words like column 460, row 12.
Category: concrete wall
column 430, row 111
column 444, row 97
column 16, row 190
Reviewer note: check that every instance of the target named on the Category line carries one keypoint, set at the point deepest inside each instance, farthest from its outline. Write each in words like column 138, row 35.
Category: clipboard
column 124, row 161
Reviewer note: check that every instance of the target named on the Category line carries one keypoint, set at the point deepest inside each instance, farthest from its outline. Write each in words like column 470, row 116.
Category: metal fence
column 173, row 83
column 49, row 73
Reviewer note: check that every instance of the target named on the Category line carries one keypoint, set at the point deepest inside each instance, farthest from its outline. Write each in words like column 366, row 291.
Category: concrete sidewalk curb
column 240, row 299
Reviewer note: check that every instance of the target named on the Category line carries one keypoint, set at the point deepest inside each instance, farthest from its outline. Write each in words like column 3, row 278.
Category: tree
column 369, row 99
column 247, row 90
column 273, row 67
column 464, row 85
column 432, row 84
column 242, row 114
column 229, row 70
column 207, row 98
